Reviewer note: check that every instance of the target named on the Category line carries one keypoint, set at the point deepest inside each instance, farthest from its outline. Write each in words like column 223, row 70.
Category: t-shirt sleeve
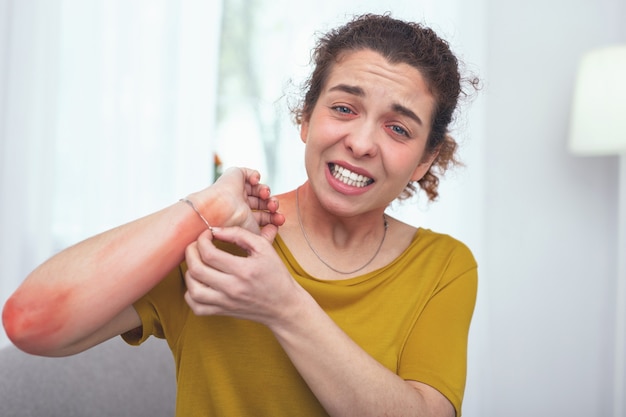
column 163, row 311
column 436, row 351
column 154, row 310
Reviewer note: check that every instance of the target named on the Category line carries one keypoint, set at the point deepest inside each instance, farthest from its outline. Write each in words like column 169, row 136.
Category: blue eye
column 342, row 109
column 399, row 130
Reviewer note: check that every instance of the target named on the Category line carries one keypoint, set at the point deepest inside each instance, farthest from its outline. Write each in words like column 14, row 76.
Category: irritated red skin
column 55, row 308
column 73, row 300
column 29, row 327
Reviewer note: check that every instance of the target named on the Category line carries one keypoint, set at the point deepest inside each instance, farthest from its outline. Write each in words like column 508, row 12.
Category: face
column 366, row 136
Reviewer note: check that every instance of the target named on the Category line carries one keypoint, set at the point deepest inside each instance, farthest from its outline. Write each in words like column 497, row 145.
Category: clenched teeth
column 348, row 177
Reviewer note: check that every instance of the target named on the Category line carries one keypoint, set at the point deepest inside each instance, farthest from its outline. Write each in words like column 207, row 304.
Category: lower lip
column 344, row 188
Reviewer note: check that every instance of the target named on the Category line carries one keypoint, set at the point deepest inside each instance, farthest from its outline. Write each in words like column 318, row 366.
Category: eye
column 399, row 130
column 342, row 109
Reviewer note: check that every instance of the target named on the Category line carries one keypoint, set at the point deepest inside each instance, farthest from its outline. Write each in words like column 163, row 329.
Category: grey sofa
column 109, row 380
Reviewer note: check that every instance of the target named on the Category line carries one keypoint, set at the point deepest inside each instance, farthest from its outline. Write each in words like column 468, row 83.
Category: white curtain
column 106, row 114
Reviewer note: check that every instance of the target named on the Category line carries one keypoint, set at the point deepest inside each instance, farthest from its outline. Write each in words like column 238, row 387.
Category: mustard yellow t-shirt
column 413, row 316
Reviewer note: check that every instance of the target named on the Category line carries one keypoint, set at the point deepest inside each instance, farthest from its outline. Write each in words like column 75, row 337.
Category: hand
column 241, row 200
column 257, row 287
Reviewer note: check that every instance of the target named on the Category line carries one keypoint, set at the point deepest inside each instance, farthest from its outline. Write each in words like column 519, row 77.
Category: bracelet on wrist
column 190, row 204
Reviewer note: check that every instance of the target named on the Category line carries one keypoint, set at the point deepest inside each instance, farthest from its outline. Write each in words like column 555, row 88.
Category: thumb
column 269, row 232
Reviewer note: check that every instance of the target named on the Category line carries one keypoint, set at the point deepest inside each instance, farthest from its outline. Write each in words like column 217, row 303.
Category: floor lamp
column 598, row 127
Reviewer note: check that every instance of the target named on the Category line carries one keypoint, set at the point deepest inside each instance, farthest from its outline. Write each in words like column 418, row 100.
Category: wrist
column 193, row 207
column 217, row 208
column 295, row 310
column 202, row 206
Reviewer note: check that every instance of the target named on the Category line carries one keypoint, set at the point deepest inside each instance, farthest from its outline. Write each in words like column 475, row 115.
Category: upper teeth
column 350, row 178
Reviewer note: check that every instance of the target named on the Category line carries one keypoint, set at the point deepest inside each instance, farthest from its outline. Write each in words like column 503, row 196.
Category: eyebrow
column 398, row 108
column 359, row 92
column 350, row 89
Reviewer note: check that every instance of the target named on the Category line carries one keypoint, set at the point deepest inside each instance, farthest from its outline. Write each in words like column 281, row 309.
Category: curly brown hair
column 399, row 42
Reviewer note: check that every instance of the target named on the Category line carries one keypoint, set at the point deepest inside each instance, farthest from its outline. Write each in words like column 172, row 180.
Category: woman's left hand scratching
column 257, row 287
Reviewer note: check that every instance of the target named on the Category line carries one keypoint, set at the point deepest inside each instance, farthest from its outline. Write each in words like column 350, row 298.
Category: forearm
column 344, row 378
column 85, row 286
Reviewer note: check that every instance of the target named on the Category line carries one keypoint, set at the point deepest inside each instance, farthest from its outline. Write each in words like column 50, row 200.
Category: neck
column 334, row 221
column 360, row 264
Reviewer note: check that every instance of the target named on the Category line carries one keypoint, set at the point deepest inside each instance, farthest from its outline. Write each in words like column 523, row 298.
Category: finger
column 278, row 219
column 264, row 218
column 270, row 204
column 199, row 256
column 206, row 284
column 192, row 255
column 250, row 242
column 261, row 192
column 205, row 260
column 252, row 175
column 195, row 264
column 269, row 232
column 200, row 309
column 205, row 247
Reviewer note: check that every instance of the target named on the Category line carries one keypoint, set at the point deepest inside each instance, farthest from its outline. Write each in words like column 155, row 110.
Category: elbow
column 14, row 323
column 18, row 327
column 29, row 329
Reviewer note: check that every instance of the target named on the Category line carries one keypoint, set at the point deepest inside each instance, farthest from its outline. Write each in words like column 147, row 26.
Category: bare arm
column 84, row 294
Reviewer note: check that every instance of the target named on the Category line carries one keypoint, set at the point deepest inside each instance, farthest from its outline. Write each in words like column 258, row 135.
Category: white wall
column 550, row 230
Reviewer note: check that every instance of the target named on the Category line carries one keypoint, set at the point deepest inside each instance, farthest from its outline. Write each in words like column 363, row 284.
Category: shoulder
column 442, row 242
column 411, row 238
column 443, row 255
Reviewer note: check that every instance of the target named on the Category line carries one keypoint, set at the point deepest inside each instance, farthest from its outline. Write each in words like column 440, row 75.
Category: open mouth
column 348, row 177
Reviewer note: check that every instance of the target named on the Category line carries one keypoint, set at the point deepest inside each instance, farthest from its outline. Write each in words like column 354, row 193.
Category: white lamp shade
column 598, row 118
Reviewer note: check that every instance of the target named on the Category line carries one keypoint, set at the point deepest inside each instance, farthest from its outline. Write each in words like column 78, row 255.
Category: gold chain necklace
column 306, row 238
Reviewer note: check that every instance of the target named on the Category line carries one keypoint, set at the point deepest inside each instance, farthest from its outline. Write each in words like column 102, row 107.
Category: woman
column 347, row 311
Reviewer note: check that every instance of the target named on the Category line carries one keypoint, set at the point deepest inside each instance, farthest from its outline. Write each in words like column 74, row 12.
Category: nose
column 363, row 141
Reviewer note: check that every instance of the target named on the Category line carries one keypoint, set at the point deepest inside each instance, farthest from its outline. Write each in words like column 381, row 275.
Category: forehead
column 370, row 66
column 369, row 74
column 364, row 59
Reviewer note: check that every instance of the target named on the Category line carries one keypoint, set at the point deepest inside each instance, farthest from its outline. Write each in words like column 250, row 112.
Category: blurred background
column 112, row 109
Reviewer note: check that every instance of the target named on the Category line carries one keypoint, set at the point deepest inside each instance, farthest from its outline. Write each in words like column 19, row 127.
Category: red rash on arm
column 84, row 294
column 23, row 322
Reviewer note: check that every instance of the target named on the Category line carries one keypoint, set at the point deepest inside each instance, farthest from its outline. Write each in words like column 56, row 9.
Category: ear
column 304, row 131
column 422, row 168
